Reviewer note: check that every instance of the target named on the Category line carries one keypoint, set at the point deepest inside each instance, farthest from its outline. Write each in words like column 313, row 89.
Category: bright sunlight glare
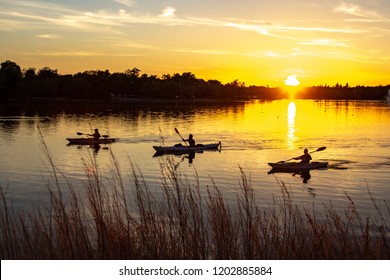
column 292, row 81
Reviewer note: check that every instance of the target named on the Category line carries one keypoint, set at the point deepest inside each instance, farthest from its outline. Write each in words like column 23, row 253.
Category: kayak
column 182, row 149
column 90, row 141
column 297, row 166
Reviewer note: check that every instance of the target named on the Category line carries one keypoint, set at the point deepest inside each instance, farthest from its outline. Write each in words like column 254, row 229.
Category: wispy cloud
column 358, row 11
column 128, row 3
column 48, row 19
column 47, row 36
column 203, row 51
column 35, row 14
column 76, row 53
column 324, row 42
column 274, row 30
column 9, row 25
column 35, row 7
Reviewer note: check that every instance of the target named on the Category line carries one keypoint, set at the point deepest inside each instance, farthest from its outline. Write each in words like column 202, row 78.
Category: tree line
column 98, row 85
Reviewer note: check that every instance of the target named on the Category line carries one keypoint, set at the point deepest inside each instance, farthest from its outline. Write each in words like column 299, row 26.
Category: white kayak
column 297, row 166
column 183, row 149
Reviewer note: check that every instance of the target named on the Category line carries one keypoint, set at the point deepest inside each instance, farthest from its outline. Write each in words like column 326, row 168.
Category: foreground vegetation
column 98, row 85
column 109, row 221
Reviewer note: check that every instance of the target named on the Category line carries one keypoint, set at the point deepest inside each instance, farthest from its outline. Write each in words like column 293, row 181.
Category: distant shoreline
column 119, row 101
column 130, row 87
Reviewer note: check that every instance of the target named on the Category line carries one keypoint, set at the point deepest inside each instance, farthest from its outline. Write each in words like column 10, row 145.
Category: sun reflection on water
column 291, row 113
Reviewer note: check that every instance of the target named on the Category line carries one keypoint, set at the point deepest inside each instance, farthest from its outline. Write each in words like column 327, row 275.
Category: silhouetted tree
column 10, row 79
column 235, row 89
column 29, row 74
column 47, row 73
column 133, row 73
column 79, row 88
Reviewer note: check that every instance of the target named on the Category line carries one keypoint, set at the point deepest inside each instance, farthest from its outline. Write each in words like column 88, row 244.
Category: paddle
column 80, row 133
column 318, row 150
column 181, row 136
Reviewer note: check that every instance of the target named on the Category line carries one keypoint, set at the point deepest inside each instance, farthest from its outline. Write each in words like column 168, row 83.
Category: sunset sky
column 256, row 42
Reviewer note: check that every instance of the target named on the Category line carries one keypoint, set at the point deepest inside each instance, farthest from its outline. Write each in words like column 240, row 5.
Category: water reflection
column 96, row 148
column 291, row 113
column 184, row 155
column 304, row 174
column 388, row 96
column 191, row 157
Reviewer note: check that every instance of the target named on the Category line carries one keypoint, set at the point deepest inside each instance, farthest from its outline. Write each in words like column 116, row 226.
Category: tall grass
column 111, row 220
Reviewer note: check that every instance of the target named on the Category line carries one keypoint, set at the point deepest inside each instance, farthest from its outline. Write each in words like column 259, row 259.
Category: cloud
column 9, row 25
column 34, row 14
column 168, row 12
column 324, row 42
column 203, row 51
column 128, row 3
column 356, row 10
column 47, row 36
column 31, row 6
column 77, row 53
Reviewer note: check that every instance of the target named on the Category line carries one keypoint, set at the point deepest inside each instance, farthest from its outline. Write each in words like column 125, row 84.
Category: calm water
column 356, row 136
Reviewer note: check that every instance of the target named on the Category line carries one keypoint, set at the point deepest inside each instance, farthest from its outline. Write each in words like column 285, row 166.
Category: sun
column 292, row 81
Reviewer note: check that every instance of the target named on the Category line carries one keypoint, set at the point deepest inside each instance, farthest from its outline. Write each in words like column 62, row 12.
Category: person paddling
column 190, row 140
column 96, row 135
column 305, row 158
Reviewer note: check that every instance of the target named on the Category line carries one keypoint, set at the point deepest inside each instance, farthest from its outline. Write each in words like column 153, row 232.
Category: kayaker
column 96, row 135
column 190, row 140
column 305, row 158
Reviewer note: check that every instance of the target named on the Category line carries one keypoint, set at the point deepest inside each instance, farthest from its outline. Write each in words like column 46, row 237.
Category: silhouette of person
column 96, row 135
column 190, row 140
column 305, row 158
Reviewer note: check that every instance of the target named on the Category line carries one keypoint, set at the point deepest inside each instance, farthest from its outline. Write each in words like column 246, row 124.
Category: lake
column 356, row 135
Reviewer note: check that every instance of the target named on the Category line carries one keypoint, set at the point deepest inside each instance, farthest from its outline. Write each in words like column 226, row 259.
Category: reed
column 111, row 220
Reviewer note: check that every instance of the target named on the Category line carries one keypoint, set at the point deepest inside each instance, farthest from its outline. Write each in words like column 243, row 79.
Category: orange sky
column 256, row 42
